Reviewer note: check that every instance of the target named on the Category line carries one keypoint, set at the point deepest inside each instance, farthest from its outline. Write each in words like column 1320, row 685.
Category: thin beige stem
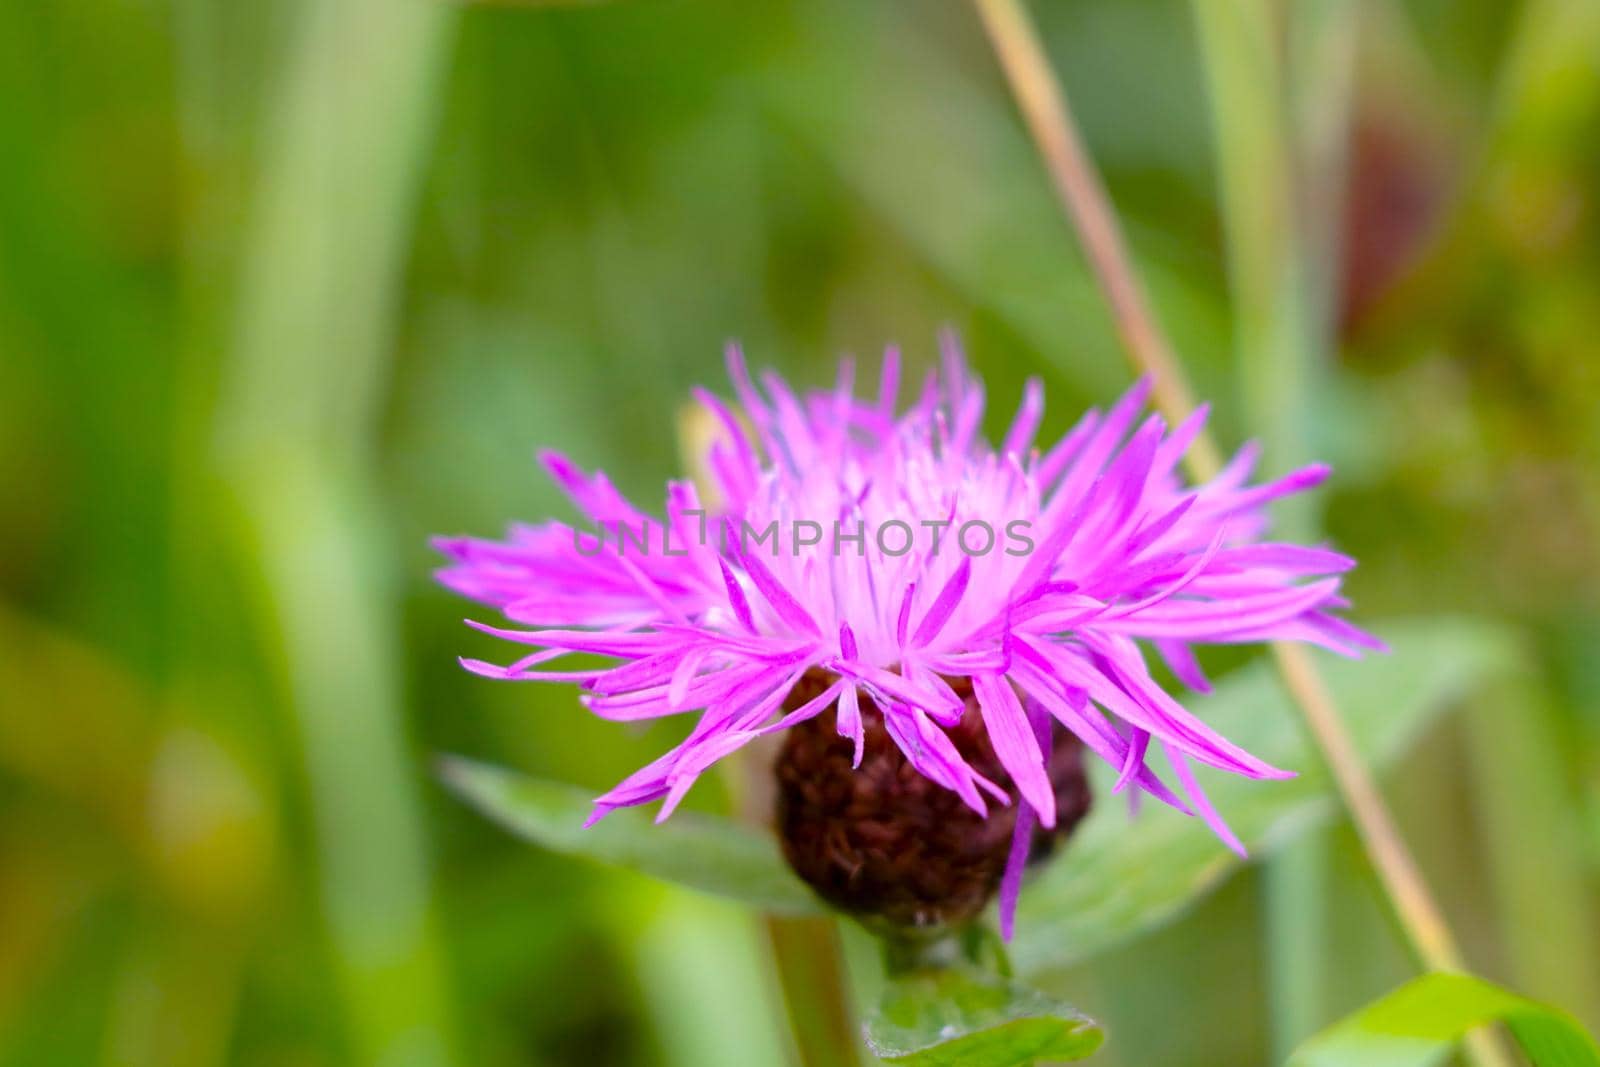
column 1044, row 107
column 1403, row 882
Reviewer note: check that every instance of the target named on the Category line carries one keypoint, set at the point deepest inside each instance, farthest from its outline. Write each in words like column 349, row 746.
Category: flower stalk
column 812, row 980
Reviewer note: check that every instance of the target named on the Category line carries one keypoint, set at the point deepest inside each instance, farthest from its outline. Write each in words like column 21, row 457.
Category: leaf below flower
column 1119, row 877
column 961, row 1017
column 703, row 852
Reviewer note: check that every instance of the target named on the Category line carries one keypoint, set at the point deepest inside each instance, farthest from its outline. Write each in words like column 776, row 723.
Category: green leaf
column 1120, row 877
column 962, row 1017
column 703, row 852
column 1417, row 1024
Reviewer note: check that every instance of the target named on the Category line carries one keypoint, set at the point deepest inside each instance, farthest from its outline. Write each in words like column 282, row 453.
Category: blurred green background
column 287, row 287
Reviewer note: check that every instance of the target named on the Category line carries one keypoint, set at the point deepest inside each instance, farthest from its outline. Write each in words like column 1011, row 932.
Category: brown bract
column 883, row 842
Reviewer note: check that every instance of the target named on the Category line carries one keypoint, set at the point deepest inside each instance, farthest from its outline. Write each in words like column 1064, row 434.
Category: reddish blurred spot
column 1398, row 180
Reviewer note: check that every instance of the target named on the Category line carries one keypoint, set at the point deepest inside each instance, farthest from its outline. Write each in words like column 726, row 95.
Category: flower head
column 911, row 574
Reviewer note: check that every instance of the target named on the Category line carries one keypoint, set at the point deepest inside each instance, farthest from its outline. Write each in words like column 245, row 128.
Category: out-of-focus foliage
column 504, row 227
column 1418, row 1022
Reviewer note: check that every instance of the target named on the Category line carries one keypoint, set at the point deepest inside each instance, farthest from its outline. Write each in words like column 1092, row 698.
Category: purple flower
column 893, row 554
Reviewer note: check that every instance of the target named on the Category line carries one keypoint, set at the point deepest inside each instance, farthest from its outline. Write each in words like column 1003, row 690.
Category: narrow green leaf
column 1417, row 1024
column 704, row 852
column 961, row 1017
column 1123, row 876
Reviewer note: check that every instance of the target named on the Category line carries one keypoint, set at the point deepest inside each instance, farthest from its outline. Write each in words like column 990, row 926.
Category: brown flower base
column 883, row 841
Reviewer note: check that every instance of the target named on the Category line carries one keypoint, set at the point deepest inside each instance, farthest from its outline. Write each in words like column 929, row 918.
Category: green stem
column 694, row 956
column 1266, row 260
column 806, row 953
column 1299, row 939
column 811, row 975
column 972, row 945
column 1280, row 310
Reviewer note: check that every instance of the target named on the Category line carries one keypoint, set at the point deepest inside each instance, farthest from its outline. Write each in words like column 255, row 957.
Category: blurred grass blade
column 1531, row 819
column 1266, row 260
column 961, row 1017
column 1417, row 1024
column 977, row 214
column 1122, row 877
column 296, row 423
column 704, row 852
column 1280, row 213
